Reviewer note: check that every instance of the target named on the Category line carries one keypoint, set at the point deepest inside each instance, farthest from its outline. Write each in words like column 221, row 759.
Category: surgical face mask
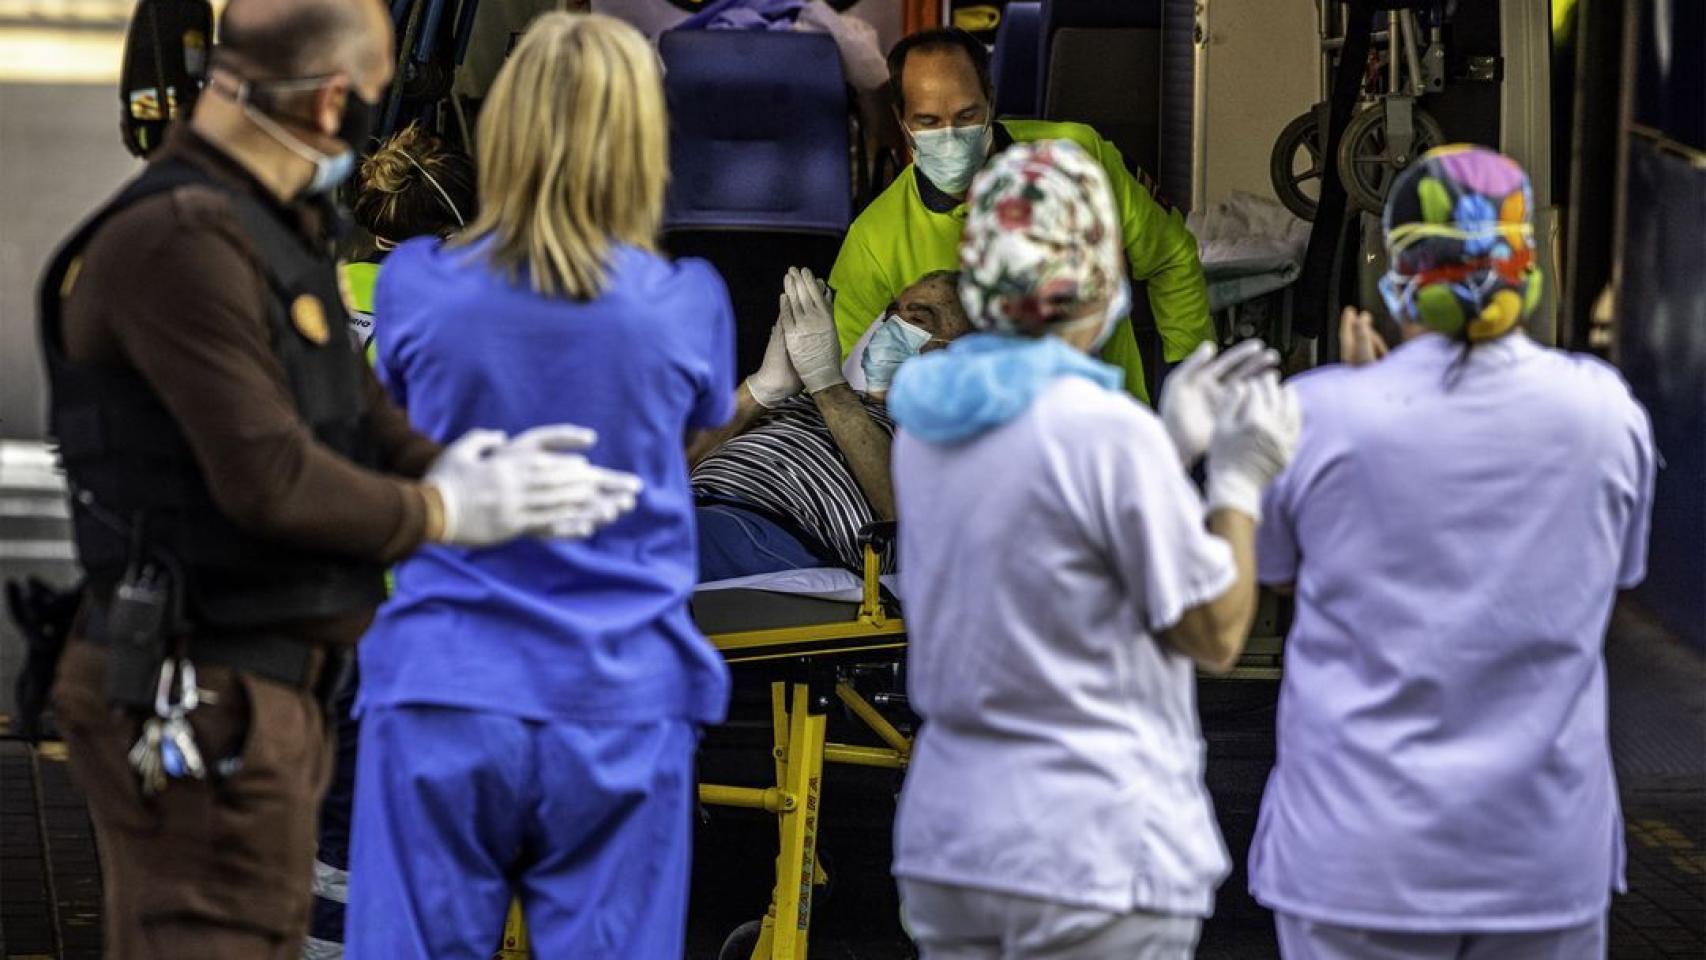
column 894, row 342
column 1118, row 307
column 354, row 127
column 951, row 156
column 1396, row 289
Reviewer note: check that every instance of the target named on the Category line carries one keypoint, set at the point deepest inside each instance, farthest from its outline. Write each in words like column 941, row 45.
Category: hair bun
column 388, row 169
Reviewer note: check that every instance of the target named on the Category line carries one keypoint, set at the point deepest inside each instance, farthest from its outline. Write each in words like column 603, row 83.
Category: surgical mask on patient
column 951, row 156
column 894, row 342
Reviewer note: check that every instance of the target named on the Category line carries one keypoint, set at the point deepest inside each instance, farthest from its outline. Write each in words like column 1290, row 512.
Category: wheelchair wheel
column 740, row 944
column 1364, row 165
column 1296, row 165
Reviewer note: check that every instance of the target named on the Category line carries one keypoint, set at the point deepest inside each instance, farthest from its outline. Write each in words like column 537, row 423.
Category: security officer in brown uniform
column 238, row 481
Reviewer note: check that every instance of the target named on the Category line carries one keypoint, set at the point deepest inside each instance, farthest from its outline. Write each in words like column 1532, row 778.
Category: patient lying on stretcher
column 804, row 464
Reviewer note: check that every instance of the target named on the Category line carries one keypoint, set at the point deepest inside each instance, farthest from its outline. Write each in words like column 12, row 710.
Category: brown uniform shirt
column 172, row 287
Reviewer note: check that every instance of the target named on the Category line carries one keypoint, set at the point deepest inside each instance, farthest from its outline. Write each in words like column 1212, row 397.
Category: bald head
column 288, row 39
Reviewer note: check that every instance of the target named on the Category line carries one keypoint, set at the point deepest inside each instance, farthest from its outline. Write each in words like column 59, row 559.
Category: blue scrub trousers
column 457, row 810
column 739, row 543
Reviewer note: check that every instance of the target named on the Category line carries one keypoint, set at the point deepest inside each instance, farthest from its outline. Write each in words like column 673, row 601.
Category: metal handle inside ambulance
column 165, row 63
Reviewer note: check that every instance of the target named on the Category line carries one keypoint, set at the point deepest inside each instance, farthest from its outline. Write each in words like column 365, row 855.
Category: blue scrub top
column 583, row 631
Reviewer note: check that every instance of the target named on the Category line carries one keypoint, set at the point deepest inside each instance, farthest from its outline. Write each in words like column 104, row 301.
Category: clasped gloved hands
column 808, row 326
column 1200, row 389
column 804, row 351
column 1254, row 438
column 495, row 489
column 775, row 380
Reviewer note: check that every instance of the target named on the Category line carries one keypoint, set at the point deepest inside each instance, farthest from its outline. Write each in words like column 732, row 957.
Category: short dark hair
column 934, row 40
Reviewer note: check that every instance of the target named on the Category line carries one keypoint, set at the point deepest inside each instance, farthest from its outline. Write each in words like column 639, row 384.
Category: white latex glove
column 808, row 325
column 1197, row 391
column 1253, row 441
column 536, row 485
column 598, row 498
column 775, row 380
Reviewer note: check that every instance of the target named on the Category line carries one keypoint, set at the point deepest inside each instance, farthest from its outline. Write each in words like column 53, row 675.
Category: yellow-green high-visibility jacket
column 912, row 229
column 359, row 278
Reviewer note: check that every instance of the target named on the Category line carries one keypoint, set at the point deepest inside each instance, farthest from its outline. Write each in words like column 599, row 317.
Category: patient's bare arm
column 862, row 442
column 702, row 443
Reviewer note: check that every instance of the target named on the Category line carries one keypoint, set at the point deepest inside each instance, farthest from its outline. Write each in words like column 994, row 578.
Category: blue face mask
column 329, row 171
column 951, row 156
column 894, row 343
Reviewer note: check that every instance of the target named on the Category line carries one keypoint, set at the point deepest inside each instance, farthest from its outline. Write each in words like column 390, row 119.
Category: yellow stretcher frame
column 800, row 748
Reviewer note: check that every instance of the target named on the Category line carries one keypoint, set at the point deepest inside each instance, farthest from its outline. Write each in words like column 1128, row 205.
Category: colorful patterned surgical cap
column 1460, row 244
column 1041, row 239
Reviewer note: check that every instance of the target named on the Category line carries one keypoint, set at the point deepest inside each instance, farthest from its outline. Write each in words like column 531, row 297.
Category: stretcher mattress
column 788, row 598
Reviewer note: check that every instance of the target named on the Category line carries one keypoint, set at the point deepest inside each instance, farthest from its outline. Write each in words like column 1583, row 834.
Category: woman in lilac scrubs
column 1456, row 524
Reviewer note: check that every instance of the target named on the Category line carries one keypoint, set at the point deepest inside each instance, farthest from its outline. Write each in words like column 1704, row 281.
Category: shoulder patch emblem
column 309, row 316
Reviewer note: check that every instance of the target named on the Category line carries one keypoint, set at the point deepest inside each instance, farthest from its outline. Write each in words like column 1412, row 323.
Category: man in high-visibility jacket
column 941, row 82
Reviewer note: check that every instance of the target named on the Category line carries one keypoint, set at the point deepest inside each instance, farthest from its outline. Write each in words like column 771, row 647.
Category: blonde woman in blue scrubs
column 530, row 713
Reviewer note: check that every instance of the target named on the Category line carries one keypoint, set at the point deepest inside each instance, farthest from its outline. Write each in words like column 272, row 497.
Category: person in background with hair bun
column 1456, row 524
column 413, row 185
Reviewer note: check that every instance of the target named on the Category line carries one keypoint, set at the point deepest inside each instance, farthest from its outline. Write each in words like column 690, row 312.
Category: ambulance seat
column 760, row 175
column 1013, row 67
column 1109, row 79
column 1129, row 70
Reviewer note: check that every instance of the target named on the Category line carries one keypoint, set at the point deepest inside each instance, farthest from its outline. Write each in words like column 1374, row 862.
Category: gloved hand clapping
column 1198, row 390
column 775, row 380
column 808, row 324
column 534, row 485
column 1253, row 441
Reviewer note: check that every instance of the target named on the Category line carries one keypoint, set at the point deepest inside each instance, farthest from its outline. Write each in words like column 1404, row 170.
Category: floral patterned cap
column 1041, row 239
column 1460, row 245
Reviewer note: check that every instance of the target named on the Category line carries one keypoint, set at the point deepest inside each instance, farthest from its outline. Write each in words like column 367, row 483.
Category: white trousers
column 1301, row 939
column 961, row 923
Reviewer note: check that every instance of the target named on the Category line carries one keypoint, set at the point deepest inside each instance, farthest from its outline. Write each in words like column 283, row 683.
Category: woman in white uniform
column 1062, row 584
column 1457, row 522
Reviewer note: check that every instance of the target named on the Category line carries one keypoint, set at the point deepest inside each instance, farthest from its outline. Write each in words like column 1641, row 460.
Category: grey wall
column 60, row 156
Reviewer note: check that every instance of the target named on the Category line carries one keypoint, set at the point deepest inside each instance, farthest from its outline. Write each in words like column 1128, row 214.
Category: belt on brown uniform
column 279, row 659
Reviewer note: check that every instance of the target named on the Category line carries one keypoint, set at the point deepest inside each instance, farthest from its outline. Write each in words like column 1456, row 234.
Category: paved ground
column 52, row 174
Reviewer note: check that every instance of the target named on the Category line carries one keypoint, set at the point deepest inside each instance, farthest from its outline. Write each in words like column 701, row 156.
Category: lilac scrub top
column 1443, row 758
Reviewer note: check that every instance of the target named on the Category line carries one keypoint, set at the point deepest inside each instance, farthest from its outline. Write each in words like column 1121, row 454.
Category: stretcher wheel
column 740, row 944
column 1364, row 166
column 1297, row 164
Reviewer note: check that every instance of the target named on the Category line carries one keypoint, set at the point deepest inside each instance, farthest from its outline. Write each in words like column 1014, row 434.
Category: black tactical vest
column 130, row 468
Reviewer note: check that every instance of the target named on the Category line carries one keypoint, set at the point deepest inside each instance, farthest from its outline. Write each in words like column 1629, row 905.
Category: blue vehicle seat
column 1129, row 70
column 1013, row 67
column 761, row 178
